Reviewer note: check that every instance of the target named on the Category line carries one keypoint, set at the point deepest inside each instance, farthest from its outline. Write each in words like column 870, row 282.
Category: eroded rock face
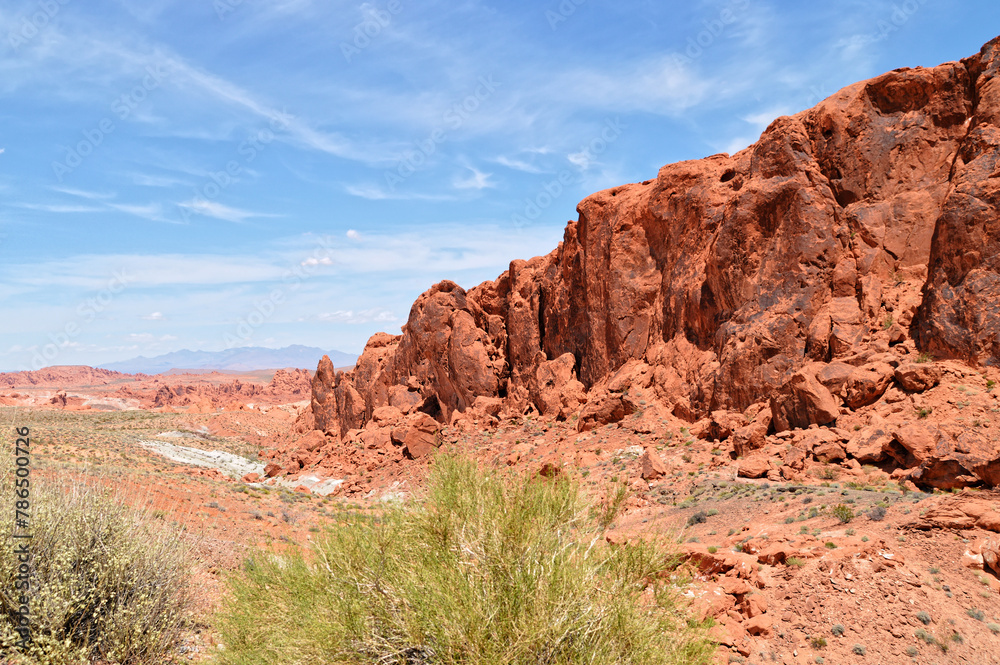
column 717, row 282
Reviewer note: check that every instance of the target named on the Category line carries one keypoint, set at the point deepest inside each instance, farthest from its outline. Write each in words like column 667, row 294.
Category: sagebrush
column 487, row 568
column 107, row 584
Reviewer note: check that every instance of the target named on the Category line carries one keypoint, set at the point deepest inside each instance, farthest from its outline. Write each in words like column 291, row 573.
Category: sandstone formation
column 811, row 276
column 286, row 386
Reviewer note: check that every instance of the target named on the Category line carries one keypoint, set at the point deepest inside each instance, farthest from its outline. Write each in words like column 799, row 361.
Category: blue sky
column 212, row 173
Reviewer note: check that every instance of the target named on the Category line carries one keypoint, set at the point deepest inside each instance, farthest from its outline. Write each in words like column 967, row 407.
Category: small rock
column 652, row 466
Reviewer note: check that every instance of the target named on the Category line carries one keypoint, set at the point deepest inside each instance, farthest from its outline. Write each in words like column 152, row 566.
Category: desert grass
column 486, row 568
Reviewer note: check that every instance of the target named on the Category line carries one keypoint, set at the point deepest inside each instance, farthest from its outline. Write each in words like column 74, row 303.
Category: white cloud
column 366, row 316
column 313, row 261
column 582, row 160
column 477, row 181
column 155, row 316
column 353, row 235
column 149, row 338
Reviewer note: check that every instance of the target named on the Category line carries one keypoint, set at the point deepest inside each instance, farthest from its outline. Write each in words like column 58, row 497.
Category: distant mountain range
column 243, row 359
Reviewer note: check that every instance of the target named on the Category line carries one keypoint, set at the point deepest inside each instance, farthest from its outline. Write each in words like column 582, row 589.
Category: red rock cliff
column 867, row 221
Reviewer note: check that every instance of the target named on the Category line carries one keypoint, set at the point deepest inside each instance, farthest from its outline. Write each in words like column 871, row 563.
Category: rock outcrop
column 785, row 273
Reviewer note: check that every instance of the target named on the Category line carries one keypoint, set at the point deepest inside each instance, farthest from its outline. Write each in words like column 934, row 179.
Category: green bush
column 488, row 568
column 107, row 583
column 843, row 513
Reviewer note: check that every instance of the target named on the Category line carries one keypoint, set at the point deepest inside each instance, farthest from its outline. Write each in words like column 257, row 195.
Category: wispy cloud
column 100, row 202
column 57, row 208
column 145, row 180
column 93, row 272
column 150, row 211
column 476, row 180
column 221, row 211
column 760, row 120
column 376, row 193
column 83, row 194
column 518, row 165
column 375, row 315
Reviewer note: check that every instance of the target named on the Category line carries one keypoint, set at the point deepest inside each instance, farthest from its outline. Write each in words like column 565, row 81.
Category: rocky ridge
column 803, row 287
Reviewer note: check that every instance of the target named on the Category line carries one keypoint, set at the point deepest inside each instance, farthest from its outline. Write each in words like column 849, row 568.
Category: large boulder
column 753, row 436
column 867, row 384
column 422, row 436
column 603, row 409
column 918, row 377
column 946, row 457
column 803, row 401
